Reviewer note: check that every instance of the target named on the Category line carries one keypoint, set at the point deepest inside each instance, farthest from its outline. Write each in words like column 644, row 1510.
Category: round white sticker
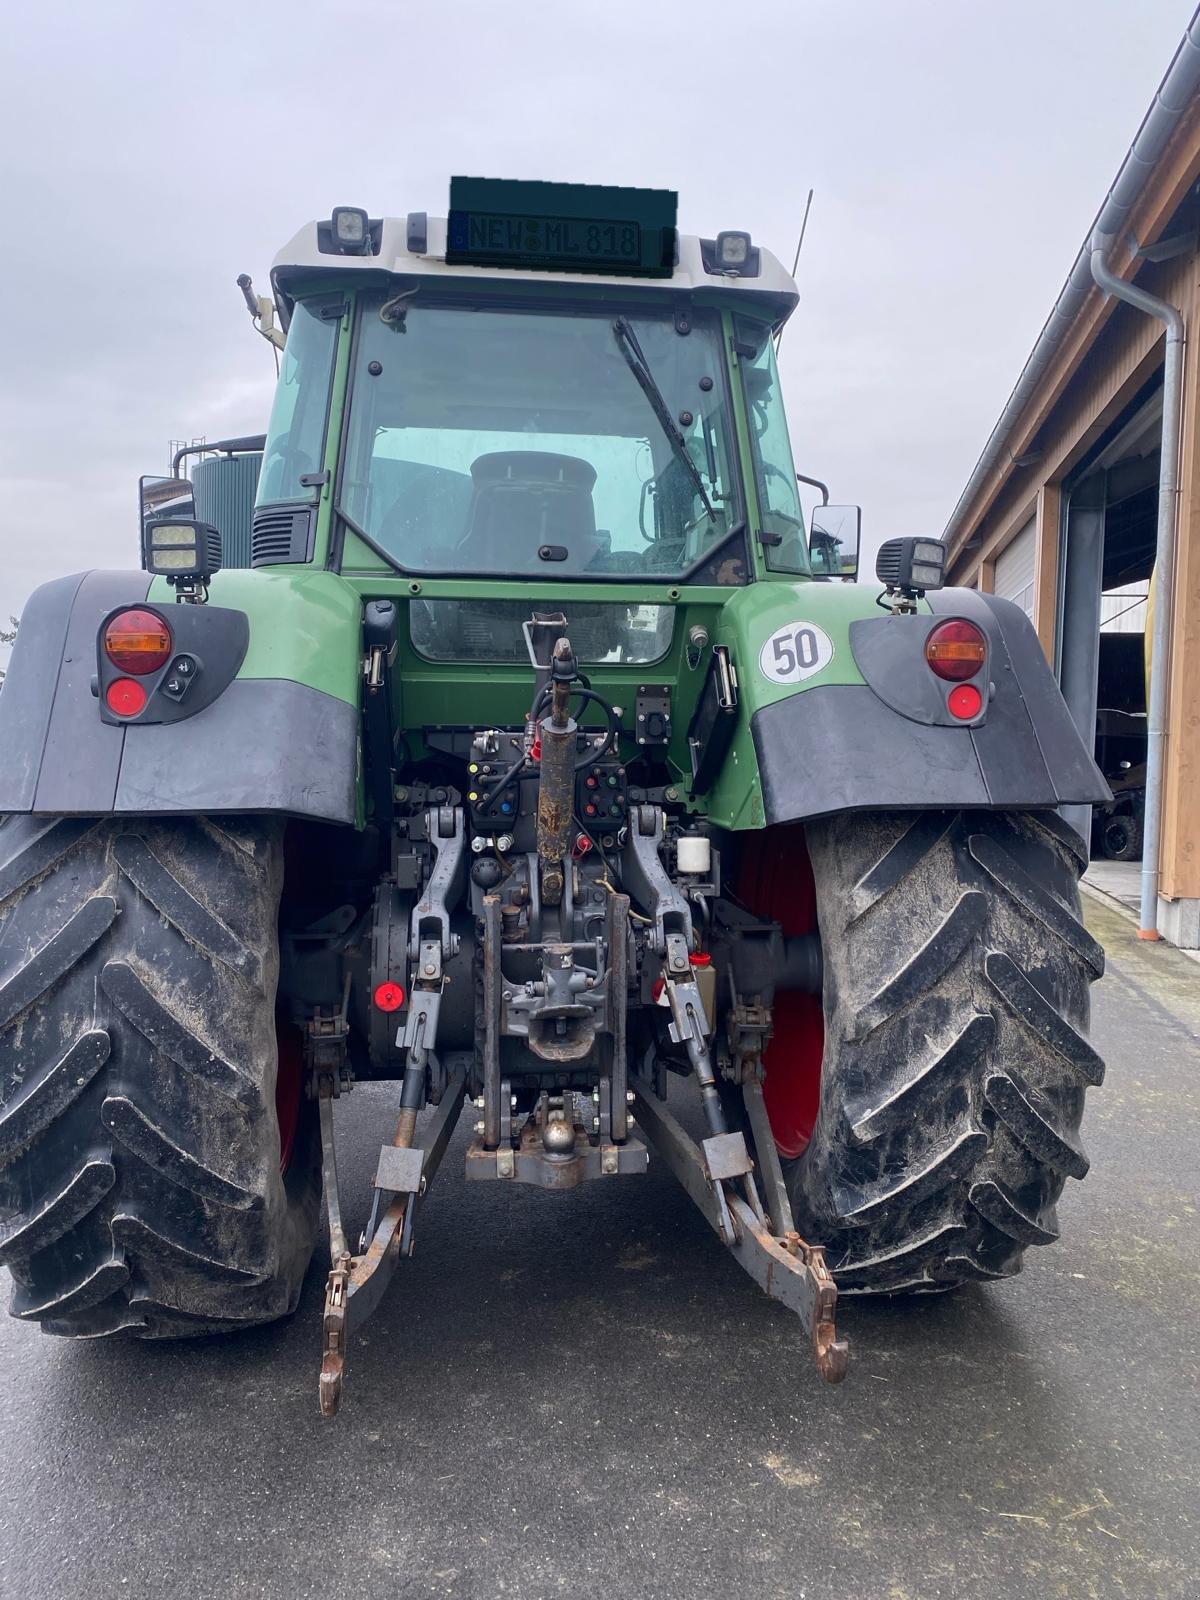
column 795, row 652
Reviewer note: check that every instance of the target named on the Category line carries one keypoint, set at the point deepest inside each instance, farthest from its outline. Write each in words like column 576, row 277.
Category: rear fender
column 868, row 729
column 274, row 728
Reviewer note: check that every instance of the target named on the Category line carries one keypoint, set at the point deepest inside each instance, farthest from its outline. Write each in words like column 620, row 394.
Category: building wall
column 1124, row 356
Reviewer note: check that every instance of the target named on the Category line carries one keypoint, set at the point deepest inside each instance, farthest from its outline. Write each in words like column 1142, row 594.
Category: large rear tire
column 141, row 1182
column 955, row 1064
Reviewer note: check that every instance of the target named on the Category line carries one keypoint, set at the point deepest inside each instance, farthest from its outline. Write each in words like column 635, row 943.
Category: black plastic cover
column 210, row 645
column 263, row 745
column 878, row 746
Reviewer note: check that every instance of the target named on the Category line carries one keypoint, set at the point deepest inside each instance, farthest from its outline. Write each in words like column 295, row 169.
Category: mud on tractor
column 543, row 762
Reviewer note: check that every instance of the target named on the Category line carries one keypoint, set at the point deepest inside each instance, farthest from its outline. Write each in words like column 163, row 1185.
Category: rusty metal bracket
column 748, row 1029
column 788, row 1269
column 726, row 1156
column 333, row 1327
column 530, row 1163
column 326, row 1035
column 357, row 1283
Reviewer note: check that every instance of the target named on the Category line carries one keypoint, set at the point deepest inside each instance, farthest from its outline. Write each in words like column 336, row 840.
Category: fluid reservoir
column 694, row 854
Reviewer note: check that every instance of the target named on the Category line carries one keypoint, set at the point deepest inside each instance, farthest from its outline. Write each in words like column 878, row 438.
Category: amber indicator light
column 956, row 650
column 137, row 641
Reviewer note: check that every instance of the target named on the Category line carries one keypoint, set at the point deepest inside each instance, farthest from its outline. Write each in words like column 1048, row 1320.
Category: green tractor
column 544, row 761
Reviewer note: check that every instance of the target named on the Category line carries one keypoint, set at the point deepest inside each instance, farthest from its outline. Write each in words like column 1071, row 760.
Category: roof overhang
column 302, row 262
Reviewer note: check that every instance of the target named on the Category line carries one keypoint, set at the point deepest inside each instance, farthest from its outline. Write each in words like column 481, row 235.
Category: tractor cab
column 554, row 401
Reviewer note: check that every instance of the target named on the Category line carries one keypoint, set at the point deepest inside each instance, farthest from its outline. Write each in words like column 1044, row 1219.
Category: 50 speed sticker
column 795, row 652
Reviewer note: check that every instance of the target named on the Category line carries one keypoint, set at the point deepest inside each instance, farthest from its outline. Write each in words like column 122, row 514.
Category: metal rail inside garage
column 1084, row 506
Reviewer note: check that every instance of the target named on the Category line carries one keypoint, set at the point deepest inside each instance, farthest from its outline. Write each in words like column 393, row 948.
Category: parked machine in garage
column 1121, row 746
column 535, row 765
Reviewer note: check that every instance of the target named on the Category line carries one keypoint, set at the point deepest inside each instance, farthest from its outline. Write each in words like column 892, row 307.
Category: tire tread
column 140, row 1190
column 956, row 1003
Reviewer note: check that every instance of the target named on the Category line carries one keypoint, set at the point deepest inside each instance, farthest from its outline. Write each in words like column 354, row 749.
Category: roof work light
column 732, row 250
column 350, row 229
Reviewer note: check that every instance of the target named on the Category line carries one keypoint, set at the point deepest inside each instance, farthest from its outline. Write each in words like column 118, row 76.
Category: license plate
column 544, row 241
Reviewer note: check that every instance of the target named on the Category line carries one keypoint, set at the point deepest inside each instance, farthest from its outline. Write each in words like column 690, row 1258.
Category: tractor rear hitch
column 558, row 1013
column 357, row 1283
column 717, row 1174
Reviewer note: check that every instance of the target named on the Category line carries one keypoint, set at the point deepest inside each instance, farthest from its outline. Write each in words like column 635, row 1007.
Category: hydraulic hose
column 556, row 776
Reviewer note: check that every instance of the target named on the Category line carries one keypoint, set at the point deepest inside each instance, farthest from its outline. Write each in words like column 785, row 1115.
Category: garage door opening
column 1109, row 541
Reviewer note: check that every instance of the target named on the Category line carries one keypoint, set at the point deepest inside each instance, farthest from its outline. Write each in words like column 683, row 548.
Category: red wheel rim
column 775, row 880
column 289, row 1089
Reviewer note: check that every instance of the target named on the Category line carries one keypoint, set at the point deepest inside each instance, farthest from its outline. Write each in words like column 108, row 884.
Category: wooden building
column 1061, row 513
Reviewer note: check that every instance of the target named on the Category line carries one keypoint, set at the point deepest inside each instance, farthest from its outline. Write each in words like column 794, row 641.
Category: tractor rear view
column 545, row 762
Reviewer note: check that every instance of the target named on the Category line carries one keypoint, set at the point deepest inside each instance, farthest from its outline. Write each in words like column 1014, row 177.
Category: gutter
column 1175, row 93
column 1164, row 562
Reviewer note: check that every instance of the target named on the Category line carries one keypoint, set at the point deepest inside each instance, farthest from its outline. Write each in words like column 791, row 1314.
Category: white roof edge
column 302, row 254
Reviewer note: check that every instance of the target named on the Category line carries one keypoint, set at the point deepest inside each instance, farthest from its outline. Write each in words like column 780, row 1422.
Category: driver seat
column 523, row 499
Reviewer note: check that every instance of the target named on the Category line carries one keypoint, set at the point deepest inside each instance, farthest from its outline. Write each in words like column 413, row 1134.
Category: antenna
column 796, row 261
column 262, row 314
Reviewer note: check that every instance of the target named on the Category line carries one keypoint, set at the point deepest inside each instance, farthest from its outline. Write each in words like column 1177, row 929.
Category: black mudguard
column 889, row 744
column 263, row 745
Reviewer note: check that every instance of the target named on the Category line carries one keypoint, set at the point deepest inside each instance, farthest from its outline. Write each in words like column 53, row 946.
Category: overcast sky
column 151, row 152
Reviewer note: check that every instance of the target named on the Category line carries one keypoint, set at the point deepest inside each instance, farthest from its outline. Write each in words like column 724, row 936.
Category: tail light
column 956, row 650
column 965, row 702
column 126, row 697
column 138, row 641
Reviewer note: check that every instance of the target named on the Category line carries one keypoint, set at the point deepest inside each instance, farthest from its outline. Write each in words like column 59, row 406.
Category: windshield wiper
column 635, row 360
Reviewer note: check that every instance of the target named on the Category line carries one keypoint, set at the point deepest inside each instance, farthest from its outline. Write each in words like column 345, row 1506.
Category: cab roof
column 415, row 246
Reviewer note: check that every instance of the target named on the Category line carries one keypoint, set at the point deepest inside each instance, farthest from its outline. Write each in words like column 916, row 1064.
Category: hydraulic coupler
column 556, row 780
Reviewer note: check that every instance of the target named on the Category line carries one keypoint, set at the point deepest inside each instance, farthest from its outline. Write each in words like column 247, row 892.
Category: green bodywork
column 306, row 625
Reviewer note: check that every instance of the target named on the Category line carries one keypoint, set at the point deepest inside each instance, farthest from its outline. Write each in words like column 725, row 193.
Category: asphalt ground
column 583, row 1396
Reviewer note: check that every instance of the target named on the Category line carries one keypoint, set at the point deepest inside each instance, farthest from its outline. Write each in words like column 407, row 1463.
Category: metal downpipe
column 1164, row 563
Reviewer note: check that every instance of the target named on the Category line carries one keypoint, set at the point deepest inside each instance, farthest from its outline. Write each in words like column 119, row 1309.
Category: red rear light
column 965, row 702
column 125, row 697
column 956, row 650
column 137, row 641
column 389, row 996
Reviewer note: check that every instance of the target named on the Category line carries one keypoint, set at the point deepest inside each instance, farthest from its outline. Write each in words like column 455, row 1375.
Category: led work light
column 182, row 551
column 911, row 566
column 350, row 229
column 732, row 251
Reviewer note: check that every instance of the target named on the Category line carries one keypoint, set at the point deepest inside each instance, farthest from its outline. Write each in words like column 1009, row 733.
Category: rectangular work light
column 350, row 229
column 911, row 564
column 182, row 549
column 732, row 250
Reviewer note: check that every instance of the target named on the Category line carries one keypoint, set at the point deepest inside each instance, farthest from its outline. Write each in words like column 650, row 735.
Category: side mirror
column 833, row 541
column 164, row 500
